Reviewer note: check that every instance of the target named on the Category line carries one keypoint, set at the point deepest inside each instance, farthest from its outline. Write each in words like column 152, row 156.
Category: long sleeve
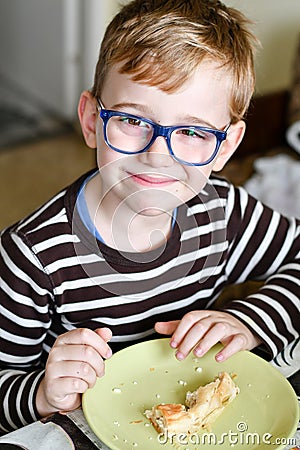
column 265, row 246
column 25, row 318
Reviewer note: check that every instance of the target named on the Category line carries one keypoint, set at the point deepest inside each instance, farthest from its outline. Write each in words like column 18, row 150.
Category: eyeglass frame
column 160, row 130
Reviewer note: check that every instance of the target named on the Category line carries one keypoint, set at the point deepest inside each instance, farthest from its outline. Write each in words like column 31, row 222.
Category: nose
column 158, row 154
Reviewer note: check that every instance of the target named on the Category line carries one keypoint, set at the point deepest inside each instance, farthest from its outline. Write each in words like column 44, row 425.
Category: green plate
column 263, row 416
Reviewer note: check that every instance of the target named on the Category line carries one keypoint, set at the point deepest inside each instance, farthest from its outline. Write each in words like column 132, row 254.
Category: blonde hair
column 162, row 43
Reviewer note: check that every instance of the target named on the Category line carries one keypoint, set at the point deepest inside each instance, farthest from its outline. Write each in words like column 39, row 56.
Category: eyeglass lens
column 131, row 134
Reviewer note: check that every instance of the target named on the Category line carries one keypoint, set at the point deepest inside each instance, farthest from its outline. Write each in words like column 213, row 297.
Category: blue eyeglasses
column 131, row 134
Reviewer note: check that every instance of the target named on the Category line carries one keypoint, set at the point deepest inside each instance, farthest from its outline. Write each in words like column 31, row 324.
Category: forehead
column 206, row 94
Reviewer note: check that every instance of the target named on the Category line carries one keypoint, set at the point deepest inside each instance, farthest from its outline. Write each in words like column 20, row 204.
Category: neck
column 139, row 232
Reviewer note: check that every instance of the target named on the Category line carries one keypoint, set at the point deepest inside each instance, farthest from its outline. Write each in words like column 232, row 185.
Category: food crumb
column 116, row 390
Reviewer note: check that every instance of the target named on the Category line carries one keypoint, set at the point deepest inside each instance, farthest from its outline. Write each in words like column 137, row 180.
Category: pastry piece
column 207, row 402
column 201, row 408
column 171, row 417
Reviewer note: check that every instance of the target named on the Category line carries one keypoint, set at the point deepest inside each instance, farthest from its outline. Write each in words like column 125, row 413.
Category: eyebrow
column 139, row 106
column 144, row 109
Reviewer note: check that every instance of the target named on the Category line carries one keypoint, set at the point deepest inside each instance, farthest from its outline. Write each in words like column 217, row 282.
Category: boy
column 147, row 242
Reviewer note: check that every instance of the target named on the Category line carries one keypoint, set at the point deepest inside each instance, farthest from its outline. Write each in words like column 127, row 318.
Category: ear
column 235, row 135
column 87, row 114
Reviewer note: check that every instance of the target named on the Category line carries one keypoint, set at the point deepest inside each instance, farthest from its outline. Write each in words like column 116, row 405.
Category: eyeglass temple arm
column 100, row 104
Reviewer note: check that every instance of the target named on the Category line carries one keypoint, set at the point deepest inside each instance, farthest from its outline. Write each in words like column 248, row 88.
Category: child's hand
column 201, row 330
column 74, row 363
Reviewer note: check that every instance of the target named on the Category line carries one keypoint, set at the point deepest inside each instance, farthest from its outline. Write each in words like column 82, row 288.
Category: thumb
column 166, row 327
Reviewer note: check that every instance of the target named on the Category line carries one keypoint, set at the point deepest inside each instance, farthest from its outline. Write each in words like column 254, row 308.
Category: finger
column 236, row 344
column 186, row 323
column 85, row 336
column 67, row 386
column 166, row 327
column 105, row 333
column 80, row 353
column 214, row 335
column 194, row 334
column 72, row 369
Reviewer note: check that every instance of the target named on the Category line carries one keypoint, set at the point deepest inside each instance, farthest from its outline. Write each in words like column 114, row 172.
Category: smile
column 151, row 180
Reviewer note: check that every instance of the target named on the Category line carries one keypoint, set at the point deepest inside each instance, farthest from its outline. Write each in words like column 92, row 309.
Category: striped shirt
column 56, row 276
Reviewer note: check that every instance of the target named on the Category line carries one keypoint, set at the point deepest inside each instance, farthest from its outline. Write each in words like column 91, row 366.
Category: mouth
column 152, row 180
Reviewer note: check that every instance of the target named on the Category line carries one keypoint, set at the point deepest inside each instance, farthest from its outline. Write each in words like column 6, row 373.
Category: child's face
column 153, row 182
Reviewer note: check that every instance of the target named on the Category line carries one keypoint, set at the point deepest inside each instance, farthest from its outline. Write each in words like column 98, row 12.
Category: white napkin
column 39, row 436
column 277, row 183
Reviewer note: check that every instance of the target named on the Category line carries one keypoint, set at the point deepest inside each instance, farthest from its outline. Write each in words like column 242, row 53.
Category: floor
column 31, row 173
column 24, row 118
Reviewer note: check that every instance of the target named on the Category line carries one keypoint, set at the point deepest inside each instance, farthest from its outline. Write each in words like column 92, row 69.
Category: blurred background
column 48, row 51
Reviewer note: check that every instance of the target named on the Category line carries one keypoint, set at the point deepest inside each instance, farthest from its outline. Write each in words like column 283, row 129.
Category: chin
column 155, row 202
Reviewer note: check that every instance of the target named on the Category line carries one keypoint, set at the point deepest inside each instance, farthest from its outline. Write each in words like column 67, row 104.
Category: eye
column 190, row 132
column 133, row 121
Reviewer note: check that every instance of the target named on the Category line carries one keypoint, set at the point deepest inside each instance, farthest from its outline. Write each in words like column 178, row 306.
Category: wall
column 277, row 25
column 48, row 49
column 31, row 46
column 96, row 16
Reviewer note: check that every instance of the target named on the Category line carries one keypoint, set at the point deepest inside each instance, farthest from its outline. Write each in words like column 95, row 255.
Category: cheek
column 193, row 183
column 105, row 155
column 197, row 178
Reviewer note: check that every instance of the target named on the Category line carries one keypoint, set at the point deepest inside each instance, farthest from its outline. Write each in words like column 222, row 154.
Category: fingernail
column 219, row 357
column 198, row 352
column 180, row 356
column 173, row 344
column 108, row 354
